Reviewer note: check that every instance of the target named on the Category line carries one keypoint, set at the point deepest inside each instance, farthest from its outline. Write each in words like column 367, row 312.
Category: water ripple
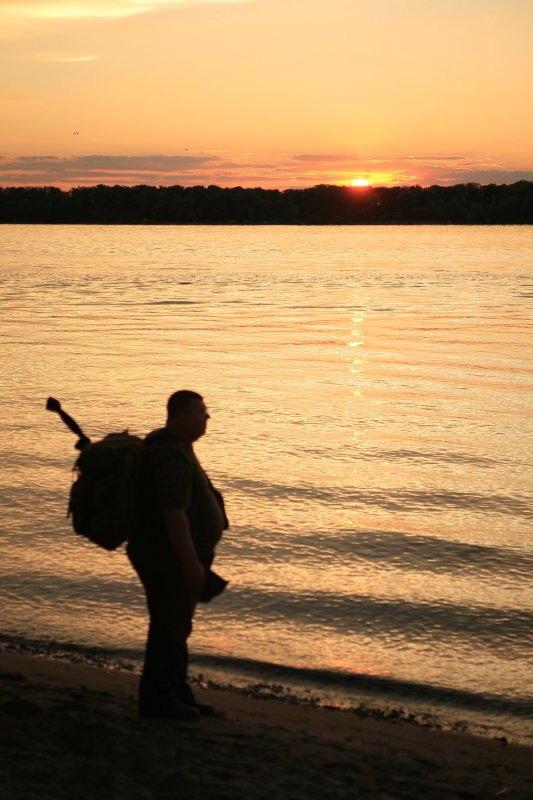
column 393, row 499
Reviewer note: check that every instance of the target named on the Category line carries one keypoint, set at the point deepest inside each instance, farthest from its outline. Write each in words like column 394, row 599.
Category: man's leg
column 163, row 685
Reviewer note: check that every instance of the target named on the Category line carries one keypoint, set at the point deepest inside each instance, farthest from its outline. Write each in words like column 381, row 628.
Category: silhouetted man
column 183, row 519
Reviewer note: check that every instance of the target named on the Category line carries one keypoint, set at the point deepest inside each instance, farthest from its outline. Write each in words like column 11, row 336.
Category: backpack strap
column 54, row 405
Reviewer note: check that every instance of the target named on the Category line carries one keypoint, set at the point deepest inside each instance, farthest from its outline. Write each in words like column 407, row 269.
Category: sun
column 360, row 182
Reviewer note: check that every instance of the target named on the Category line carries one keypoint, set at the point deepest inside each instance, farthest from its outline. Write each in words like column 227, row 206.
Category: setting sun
column 360, row 182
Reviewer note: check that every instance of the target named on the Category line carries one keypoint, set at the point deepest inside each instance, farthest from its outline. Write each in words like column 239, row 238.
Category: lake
column 370, row 398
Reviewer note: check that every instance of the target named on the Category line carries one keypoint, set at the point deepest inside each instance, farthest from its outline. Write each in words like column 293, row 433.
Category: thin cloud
column 54, row 58
column 245, row 169
column 485, row 176
column 67, row 10
column 159, row 163
column 85, row 9
column 342, row 158
column 322, row 159
column 391, row 170
column 109, row 169
column 444, row 159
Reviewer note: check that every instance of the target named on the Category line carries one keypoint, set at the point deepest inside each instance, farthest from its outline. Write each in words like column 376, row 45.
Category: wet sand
column 71, row 731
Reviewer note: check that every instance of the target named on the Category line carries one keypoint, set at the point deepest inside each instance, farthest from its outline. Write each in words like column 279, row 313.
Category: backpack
column 104, row 496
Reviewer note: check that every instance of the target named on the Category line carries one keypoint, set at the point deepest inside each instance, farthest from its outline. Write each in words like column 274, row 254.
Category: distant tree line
column 469, row 203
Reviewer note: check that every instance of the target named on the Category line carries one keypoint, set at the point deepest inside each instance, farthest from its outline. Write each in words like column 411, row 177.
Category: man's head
column 187, row 415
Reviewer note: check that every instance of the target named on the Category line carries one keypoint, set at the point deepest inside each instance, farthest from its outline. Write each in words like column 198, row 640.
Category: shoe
column 174, row 710
column 204, row 709
column 186, row 697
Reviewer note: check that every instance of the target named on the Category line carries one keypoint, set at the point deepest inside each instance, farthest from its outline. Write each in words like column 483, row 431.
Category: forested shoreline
column 470, row 203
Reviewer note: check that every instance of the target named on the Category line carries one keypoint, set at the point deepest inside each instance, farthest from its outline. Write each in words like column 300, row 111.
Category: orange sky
column 273, row 93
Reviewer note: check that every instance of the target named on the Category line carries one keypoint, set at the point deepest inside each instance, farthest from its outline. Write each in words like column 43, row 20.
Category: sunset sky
column 272, row 93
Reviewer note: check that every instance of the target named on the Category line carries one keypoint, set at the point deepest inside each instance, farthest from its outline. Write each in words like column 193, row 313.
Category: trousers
column 171, row 609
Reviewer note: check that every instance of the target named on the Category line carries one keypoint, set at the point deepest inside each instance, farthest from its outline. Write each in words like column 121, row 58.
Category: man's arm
column 178, row 531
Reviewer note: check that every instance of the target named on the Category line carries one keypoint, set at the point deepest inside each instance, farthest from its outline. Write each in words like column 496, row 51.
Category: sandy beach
column 71, row 731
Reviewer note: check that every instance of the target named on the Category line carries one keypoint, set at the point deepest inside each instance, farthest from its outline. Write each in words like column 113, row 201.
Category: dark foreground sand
column 69, row 731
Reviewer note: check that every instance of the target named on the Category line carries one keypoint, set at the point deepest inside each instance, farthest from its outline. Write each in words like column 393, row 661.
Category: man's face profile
column 195, row 419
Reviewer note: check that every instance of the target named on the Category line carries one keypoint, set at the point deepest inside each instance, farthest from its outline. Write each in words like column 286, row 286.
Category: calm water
column 370, row 393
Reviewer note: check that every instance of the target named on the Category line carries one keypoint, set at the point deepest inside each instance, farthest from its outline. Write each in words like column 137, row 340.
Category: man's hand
column 179, row 533
column 194, row 577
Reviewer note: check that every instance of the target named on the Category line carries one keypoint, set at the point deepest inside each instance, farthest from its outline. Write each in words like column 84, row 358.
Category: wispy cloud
column 66, row 9
column 247, row 170
column 210, row 167
column 84, row 9
column 384, row 169
column 323, row 159
column 54, row 57
column 91, row 169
